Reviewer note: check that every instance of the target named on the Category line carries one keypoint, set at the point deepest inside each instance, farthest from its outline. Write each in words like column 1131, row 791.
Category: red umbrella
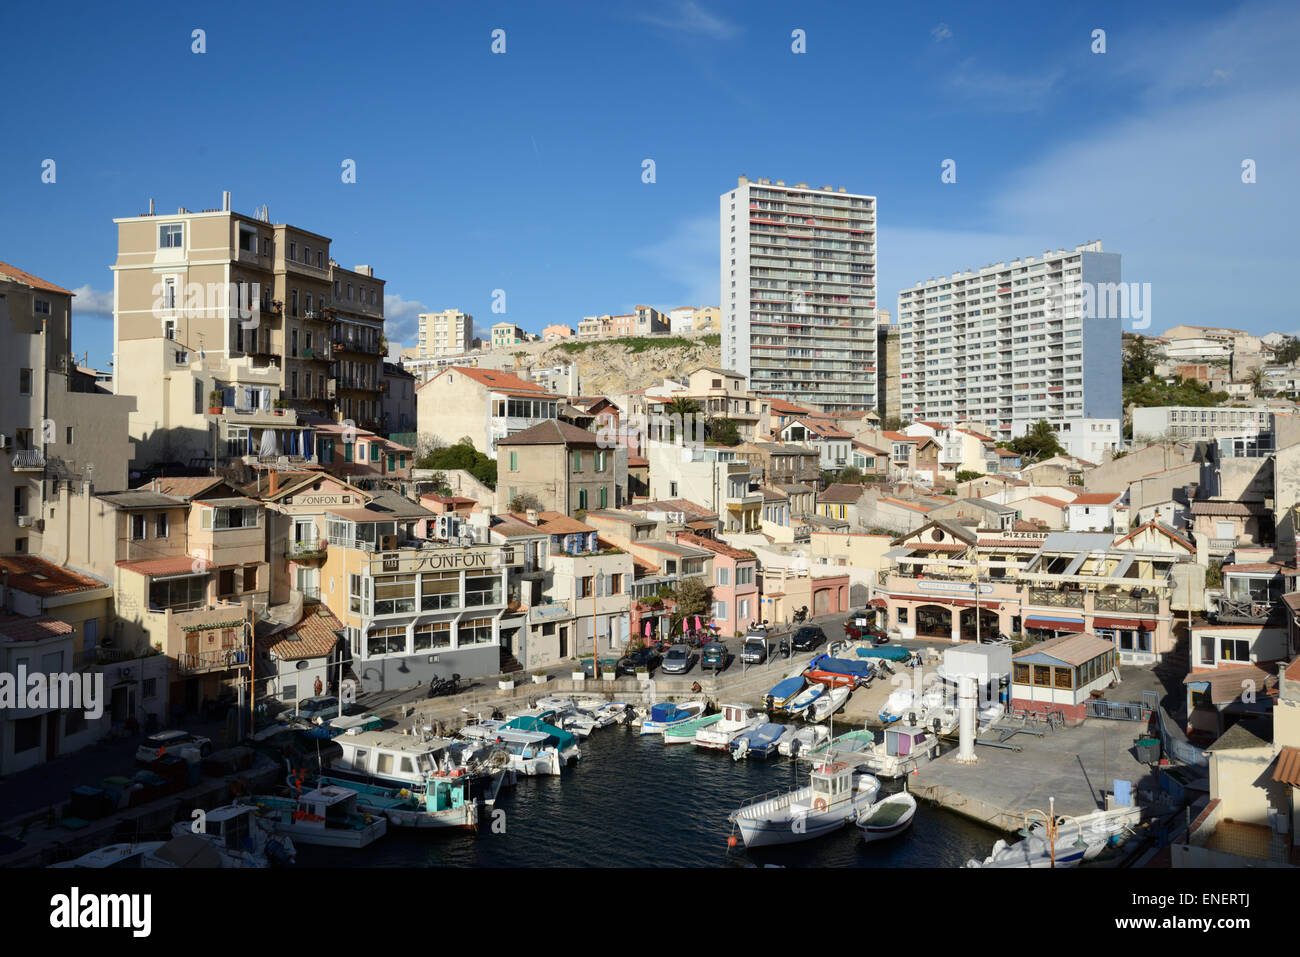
column 698, row 626
column 647, row 627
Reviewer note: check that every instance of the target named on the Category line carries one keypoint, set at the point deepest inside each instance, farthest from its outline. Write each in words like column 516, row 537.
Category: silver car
column 677, row 660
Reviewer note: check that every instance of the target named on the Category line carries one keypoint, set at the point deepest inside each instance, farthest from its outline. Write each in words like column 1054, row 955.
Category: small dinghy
column 803, row 701
column 897, row 705
column 827, row 704
column 758, row 742
column 783, row 692
column 887, row 818
column 669, row 715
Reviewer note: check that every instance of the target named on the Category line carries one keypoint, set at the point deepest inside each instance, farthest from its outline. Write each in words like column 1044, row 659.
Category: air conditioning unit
column 26, row 521
column 124, row 672
column 388, row 543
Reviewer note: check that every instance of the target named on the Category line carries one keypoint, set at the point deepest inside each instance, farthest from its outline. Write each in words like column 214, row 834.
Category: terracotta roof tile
column 36, row 576
column 176, row 565
column 1287, row 770
column 27, row 279
column 22, row 628
column 712, row 545
column 313, row 637
column 1097, row 498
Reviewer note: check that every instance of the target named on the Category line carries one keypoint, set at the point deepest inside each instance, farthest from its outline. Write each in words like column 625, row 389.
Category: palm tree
column 681, row 412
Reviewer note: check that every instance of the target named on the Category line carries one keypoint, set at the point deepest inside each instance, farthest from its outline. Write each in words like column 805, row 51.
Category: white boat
column 610, row 712
column 560, row 704
column 836, row 793
column 327, row 816
column 991, row 714
column 827, row 704
column 1077, row 840
column 801, row 740
column 900, row 750
column 242, row 838
column 736, row 719
column 804, row 699
column 887, row 818
column 578, row 722
column 896, row 705
column 941, row 720
column 444, row 801
column 187, row 850
column 668, row 715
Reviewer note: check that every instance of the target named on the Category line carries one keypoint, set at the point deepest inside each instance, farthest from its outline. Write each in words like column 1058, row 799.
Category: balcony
column 306, row 550
column 1130, row 603
column 29, row 460
column 1056, row 599
column 219, row 659
column 1218, row 547
column 1246, row 611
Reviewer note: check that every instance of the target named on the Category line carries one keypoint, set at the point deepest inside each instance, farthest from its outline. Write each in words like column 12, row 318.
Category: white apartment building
column 798, row 270
column 1008, row 345
column 446, row 333
column 1196, row 422
column 1089, row 439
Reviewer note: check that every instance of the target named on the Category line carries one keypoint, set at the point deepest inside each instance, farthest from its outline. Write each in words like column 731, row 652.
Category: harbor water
column 632, row 802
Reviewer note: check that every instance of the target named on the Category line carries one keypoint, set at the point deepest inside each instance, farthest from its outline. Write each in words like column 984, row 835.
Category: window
column 24, row 381
column 585, row 586
column 293, row 252
column 226, row 581
column 160, row 526
column 137, row 528
column 724, row 576
column 1234, row 649
column 250, row 578
column 582, row 499
column 514, row 461
column 577, row 461
column 41, row 307
column 1042, row 676
column 432, row 635
column 483, row 590
column 439, row 590
column 604, row 496
column 672, row 489
column 720, row 610
column 744, row 574
column 395, row 594
column 170, row 235
column 386, row 641
column 248, row 240
column 600, row 461
column 476, row 631
column 68, row 433
column 1063, row 678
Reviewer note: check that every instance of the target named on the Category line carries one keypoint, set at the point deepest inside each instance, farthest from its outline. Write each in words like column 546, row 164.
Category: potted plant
column 607, row 672
column 539, row 677
column 506, row 682
column 580, row 673
column 279, row 405
column 216, row 402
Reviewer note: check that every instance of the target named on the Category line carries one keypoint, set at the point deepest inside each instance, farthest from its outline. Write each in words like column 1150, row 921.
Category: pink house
column 735, row 584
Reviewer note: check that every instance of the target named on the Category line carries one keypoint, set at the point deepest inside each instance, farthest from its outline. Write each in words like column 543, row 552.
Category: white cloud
column 689, row 17
column 941, row 33
column 997, row 92
column 92, row 302
column 401, row 321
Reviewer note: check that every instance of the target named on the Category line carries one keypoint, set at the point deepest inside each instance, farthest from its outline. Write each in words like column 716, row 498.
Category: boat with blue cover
column 886, row 652
column 783, row 692
column 668, row 715
column 840, row 672
column 757, row 742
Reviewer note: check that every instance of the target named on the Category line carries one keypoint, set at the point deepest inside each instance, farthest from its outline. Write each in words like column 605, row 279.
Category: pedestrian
column 318, row 686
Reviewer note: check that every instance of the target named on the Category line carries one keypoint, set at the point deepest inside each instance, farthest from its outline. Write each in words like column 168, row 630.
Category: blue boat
column 668, row 715
column 887, row 652
column 757, row 742
column 783, row 692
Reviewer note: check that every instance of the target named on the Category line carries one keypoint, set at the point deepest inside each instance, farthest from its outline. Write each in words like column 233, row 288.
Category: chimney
column 531, row 515
column 150, row 205
column 275, row 482
column 225, row 201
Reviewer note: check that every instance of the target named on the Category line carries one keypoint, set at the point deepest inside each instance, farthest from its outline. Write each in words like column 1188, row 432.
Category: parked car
column 807, row 638
column 678, row 660
column 646, row 658
column 754, row 650
column 309, row 709
column 167, row 742
column 714, row 656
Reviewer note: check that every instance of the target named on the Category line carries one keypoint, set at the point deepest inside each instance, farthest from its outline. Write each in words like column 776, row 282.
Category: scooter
column 801, row 615
column 444, row 686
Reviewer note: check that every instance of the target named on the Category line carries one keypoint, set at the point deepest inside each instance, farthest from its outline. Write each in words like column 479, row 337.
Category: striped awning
column 1054, row 624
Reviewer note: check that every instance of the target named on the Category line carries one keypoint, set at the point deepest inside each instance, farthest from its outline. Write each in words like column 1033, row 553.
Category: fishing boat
column 578, row 722
column 836, row 793
column 393, row 760
column 827, row 704
column 1077, row 840
column 736, row 719
column 757, row 742
column 887, row 818
column 783, row 692
column 801, row 740
column 668, row 715
column 443, row 802
column 242, row 838
column 900, row 750
column 896, row 705
column 685, row 733
column 328, row 816
column 801, row 702
column 941, row 720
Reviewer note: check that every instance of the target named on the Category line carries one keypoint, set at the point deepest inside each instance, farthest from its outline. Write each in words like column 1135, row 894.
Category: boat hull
column 882, row 832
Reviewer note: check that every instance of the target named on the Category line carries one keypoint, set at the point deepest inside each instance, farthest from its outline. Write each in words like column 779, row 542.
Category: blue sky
column 522, row 171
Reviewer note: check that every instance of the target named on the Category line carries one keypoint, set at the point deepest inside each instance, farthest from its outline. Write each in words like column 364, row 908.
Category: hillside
column 617, row 366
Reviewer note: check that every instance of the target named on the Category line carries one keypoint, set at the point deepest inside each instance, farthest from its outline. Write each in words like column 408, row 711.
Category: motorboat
column 849, row 746
column 783, row 692
column 736, row 719
column 990, row 714
column 328, row 816
column 685, row 733
column 900, row 750
column 1077, row 840
column 185, row 850
column 827, row 704
column 393, row 760
column 757, row 742
column 836, row 793
column 443, row 802
column 536, row 747
column 803, row 701
column 841, row 672
column 801, row 740
column 579, row 723
column 242, row 838
column 888, row 817
column 668, row 715
column 609, row 712
column 342, row 725
column 896, row 705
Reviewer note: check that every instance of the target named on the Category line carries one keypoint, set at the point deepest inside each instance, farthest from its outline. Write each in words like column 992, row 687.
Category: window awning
column 1054, row 624
column 1142, row 624
column 877, row 603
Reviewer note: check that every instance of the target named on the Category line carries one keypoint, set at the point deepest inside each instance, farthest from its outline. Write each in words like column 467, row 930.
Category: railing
column 1115, row 710
column 1150, row 606
column 1245, row 610
column 219, row 659
column 314, row 548
column 87, row 657
column 1056, row 599
column 29, row 459
column 1220, row 546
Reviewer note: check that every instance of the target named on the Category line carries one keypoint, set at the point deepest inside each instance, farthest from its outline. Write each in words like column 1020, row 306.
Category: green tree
column 693, row 598
column 850, row 475
column 464, row 456
column 1040, row 442
column 1288, row 351
column 891, row 423
column 524, row 501
column 966, row 475
column 722, row 431
column 1139, row 361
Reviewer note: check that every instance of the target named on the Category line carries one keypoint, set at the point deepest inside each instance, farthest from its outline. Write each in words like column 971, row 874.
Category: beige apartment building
column 561, row 465
column 57, row 426
column 358, row 346
column 446, row 333
column 218, row 302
